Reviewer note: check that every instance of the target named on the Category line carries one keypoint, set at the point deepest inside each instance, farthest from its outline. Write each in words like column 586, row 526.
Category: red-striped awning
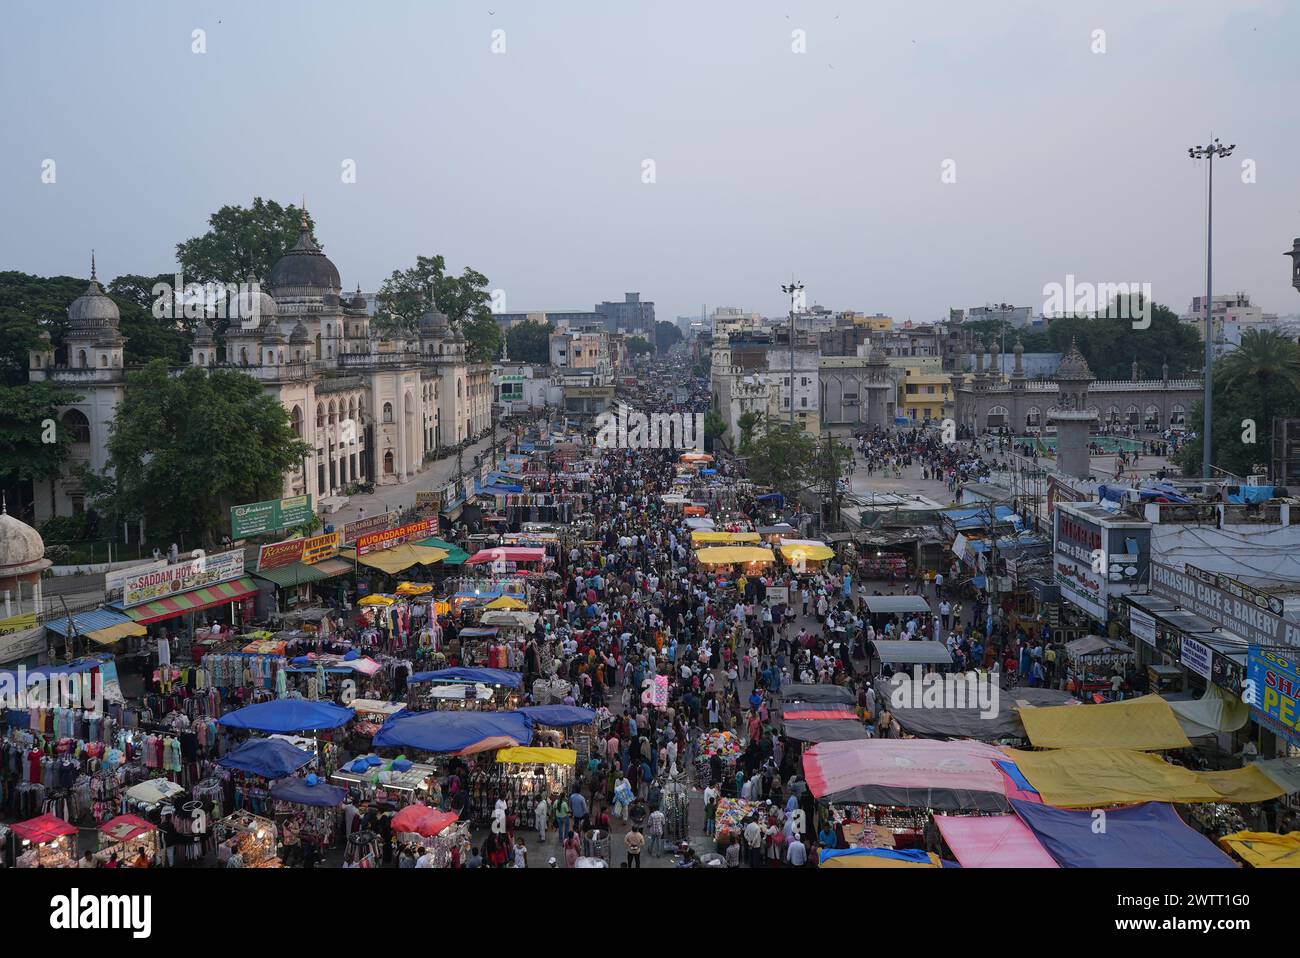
column 196, row 600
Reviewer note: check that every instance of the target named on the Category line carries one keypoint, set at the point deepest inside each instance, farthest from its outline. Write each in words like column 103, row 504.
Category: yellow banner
column 18, row 623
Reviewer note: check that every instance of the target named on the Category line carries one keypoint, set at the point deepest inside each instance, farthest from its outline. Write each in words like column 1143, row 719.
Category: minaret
column 1135, row 369
column 1294, row 253
column 1018, row 374
column 1071, row 415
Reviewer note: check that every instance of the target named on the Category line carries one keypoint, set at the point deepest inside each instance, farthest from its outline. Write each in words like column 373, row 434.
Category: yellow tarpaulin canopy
column 810, row 553
column 1145, row 724
column 876, row 861
column 728, row 554
column 114, row 633
column 402, row 557
column 709, row 537
column 1092, row 777
column 1264, row 849
column 414, row 588
column 507, row 602
column 524, row 754
column 376, row 600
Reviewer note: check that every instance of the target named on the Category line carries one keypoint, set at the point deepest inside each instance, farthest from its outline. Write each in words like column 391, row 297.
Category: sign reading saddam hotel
column 1252, row 614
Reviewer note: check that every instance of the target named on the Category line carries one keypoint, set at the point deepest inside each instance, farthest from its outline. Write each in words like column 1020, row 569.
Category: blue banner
column 1272, row 689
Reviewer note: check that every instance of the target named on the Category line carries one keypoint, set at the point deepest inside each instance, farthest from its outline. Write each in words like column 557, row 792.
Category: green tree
column 530, row 342
column 184, row 449
column 667, row 335
column 637, row 346
column 784, row 458
column 465, row 299
column 29, row 304
column 29, row 416
column 240, row 241
column 747, row 423
column 1253, row 385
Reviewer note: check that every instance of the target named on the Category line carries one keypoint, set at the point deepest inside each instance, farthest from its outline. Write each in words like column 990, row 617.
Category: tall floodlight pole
column 794, row 289
column 1208, row 153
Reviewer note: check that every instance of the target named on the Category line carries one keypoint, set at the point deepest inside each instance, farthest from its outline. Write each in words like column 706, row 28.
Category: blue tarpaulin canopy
column 268, row 757
column 513, row 680
column 559, row 716
column 285, row 716
column 453, row 731
column 302, row 792
column 1139, row 836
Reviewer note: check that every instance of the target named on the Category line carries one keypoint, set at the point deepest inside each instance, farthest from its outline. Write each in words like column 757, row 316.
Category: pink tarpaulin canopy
column 993, row 841
column 422, row 820
column 44, row 828
column 508, row 554
column 925, row 772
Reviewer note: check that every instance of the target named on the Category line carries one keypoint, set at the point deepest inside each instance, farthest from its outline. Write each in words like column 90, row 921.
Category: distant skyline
column 528, row 164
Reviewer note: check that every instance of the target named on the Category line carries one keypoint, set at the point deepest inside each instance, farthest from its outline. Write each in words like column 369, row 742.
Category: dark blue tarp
column 559, row 716
column 917, row 855
column 451, row 731
column 1140, row 836
column 268, row 757
column 288, row 715
column 513, row 680
column 301, row 792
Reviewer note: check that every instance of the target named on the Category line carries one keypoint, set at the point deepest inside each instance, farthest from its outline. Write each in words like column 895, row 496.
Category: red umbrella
column 422, row 820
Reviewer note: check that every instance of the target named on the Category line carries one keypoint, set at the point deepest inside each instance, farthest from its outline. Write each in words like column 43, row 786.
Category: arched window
column 997, row 417
column 295, row 420
column 243, row 355
column 388, row 463
column 333, row 414
column 1112, row 415
column 1177, row 415
column 201, row 359
column 77, row 425
column 1033, row 418
column 458, row 390
column 1131, row 416
column 1151, row 418
column 81, row 359
column 320, row 416
column 103, row 360
column 388, row 412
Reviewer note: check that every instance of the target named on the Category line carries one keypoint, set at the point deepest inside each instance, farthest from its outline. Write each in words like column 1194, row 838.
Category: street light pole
column 793, row 288
column 1209, row 152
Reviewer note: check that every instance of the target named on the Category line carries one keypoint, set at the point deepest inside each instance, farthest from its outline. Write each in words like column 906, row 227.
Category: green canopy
column 456, row 555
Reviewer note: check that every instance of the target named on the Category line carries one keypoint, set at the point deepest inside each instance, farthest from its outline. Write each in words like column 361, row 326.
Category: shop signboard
column 1273, row 686
column 1226, row 673
column 1142, row 626
column 182, row 577
column 1196, row 656
column 428, row 502
column 352, row 531
column 1080, row 585
column 18, row 623
column 257, row 518
column 1229, row 604
column 778, row 595
column 378, row 541
column 115, row 580
column 308, row 551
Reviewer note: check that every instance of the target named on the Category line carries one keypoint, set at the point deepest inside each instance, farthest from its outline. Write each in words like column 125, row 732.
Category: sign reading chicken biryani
column 190, row 574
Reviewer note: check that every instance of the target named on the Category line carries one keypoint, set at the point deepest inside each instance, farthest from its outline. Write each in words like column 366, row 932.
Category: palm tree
column 1265, row 357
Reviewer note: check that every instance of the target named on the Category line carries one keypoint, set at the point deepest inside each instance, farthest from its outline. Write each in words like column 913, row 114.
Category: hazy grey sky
column 527, row 164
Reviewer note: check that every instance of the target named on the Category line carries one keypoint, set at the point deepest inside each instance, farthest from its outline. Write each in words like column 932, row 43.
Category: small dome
column 1073, row 366
column 434, row 322
column 93, row 306
column 271, row 333
column 22, row 550
column 359, row 301
column 265, row 305
column 203, row 335
column 299, row 334
column 305, row 266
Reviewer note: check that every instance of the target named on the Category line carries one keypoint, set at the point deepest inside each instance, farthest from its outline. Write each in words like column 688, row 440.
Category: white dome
column 22, row 549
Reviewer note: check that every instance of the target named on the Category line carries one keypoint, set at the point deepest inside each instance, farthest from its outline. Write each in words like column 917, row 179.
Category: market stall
column 46, row 841
column 524, row 775
column 127, row 837
column 722, row 746
column 249, row 838
column 310, row 804
column 393, row 783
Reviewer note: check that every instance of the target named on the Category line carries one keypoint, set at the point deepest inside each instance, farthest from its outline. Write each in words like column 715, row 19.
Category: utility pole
column 1209, row 152
column 794, row 289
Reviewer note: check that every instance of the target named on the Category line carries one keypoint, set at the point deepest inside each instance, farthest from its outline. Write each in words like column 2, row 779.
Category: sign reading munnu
column 1248, row 612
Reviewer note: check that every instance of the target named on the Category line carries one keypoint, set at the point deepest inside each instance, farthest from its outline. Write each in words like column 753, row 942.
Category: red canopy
column 508, row 554
column 46, row 828
column 126, row 828
column 422, row 820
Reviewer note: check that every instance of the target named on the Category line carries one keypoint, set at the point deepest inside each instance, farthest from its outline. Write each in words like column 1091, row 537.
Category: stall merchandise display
column 731, row 815
column 55, row 854
column 364, row 850
column 252, row 837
